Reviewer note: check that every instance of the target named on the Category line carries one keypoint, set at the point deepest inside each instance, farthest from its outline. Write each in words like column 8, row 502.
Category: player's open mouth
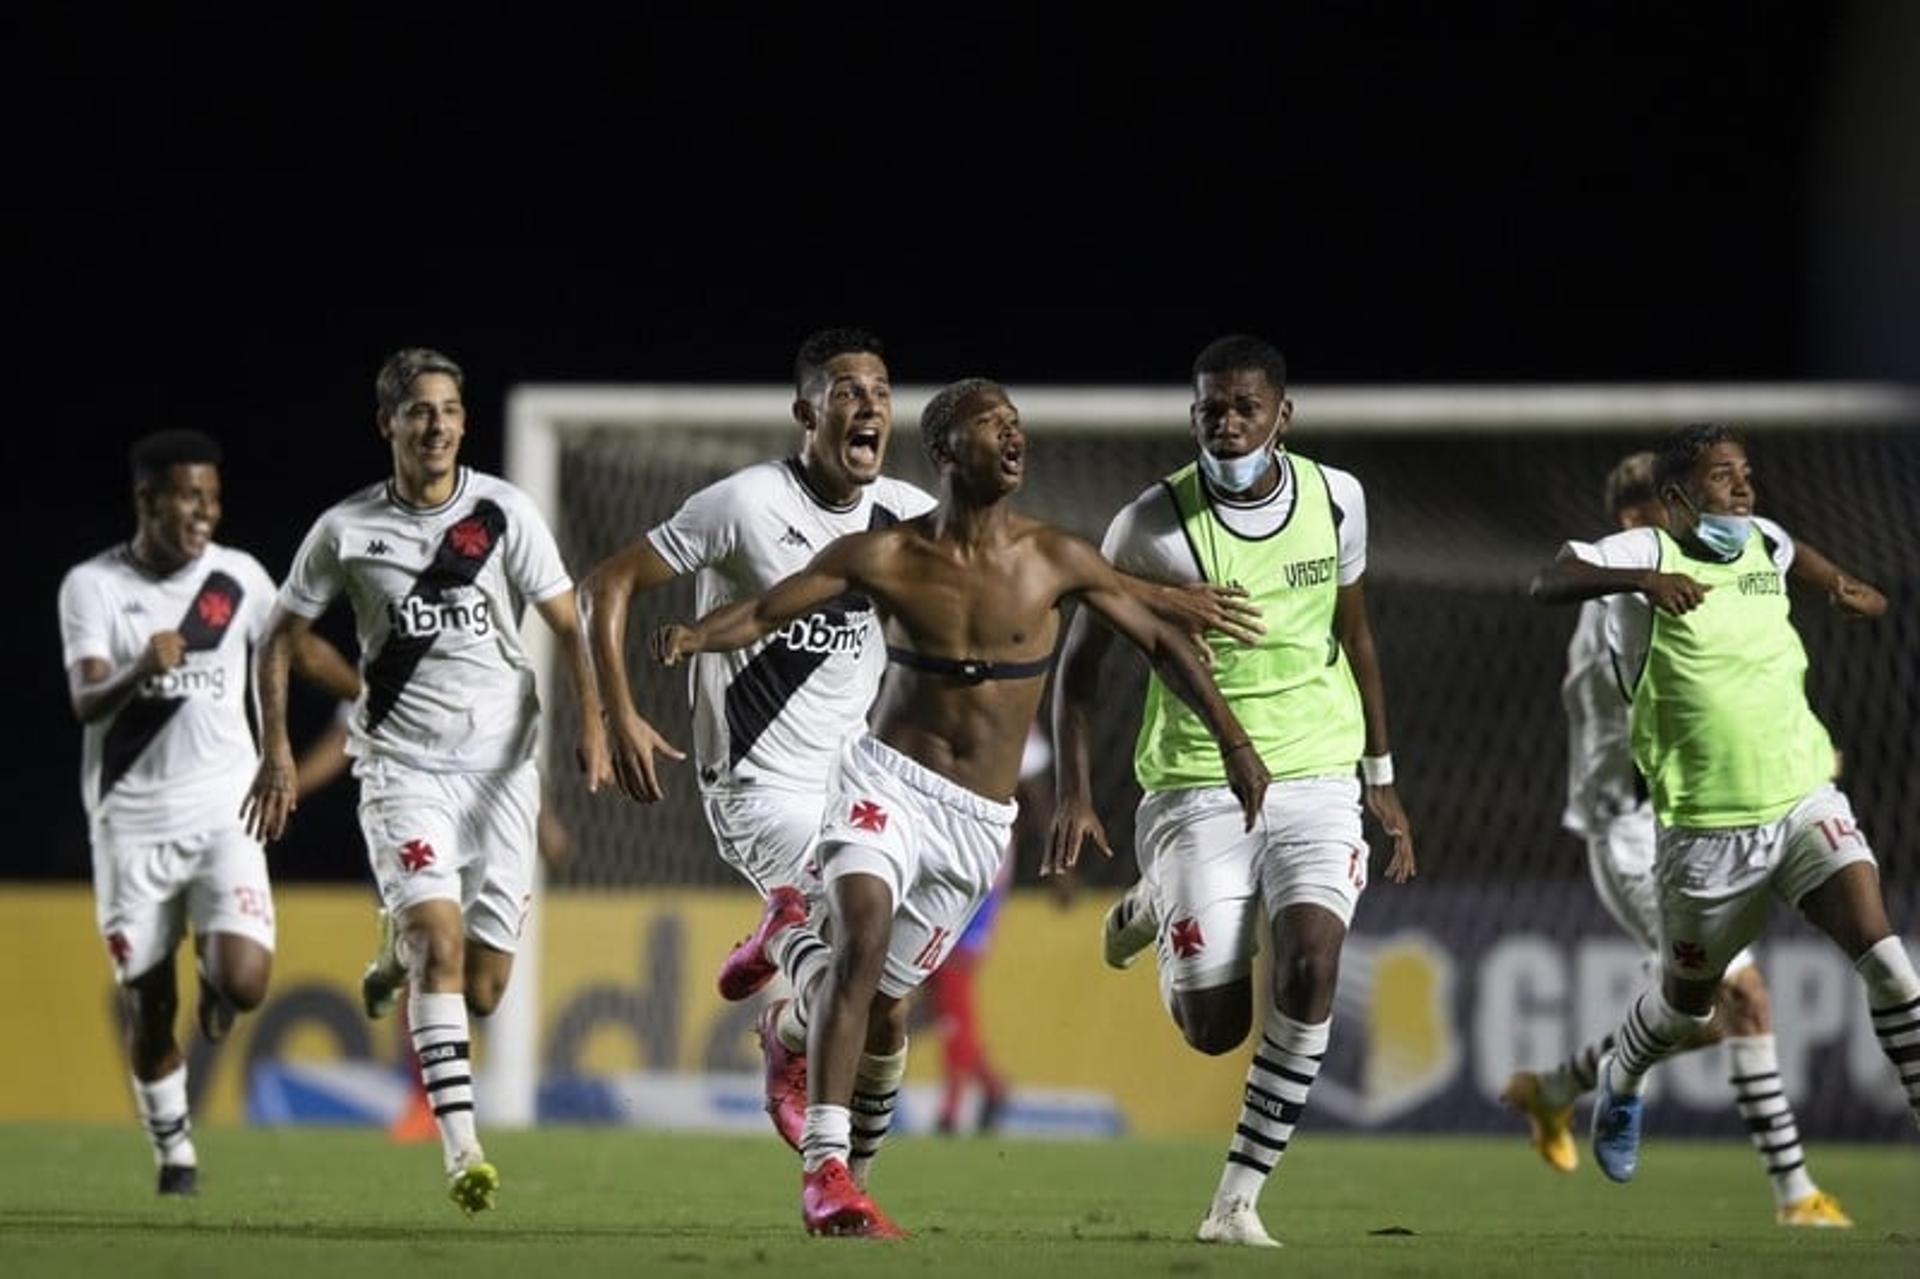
column 1013, row 458
column 863, row 447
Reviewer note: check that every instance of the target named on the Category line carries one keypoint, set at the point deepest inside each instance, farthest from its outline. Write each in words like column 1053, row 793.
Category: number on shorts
column 1357, row 867
column 251, row 901
column 929, row 957
column 1837, row 831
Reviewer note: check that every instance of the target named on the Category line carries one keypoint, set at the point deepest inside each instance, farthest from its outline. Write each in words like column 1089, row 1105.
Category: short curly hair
column 1677, row 455
column 152, row 456
column 937, row 419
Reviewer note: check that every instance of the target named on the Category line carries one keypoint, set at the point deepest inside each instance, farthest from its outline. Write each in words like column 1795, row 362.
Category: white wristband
column 1377, row 769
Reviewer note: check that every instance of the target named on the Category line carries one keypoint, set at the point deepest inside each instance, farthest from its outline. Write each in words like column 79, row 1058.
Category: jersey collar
column 406, row 508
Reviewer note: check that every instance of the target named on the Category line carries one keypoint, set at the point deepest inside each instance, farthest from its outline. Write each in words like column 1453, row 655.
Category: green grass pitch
column 283, row 1204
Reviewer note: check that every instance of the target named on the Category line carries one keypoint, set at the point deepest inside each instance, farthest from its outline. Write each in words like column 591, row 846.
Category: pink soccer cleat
column 786, row 1078
column 830, row 1204
column 748, row 967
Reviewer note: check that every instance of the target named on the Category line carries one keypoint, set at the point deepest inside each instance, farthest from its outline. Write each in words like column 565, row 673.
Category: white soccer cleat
column 1237, row 1222
column 1129, row 927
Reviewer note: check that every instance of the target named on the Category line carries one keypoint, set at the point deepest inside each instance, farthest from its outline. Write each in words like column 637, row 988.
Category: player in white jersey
column 1608, row 807
column 438, row 562
column 156, row 634
column 1213, row 891
column 770, row 719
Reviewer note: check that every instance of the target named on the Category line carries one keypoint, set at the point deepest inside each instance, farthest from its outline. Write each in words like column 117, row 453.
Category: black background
column 226, row 220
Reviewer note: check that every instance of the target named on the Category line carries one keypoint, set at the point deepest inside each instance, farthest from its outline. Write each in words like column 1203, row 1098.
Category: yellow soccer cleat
column 1819, row 1210
column 1549, row 1128
column 472, row 1186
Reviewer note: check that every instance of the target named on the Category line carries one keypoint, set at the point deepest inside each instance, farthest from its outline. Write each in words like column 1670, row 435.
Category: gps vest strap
column 969, row 670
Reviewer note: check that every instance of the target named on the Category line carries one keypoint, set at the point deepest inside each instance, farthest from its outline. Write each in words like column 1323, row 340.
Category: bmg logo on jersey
column 825, row 633
column 461, row 610
column 187, row 680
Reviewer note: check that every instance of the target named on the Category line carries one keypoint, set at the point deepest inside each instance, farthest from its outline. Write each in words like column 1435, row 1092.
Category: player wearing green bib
column 1608, row 806
column 1292, row 535
column 1738, row 765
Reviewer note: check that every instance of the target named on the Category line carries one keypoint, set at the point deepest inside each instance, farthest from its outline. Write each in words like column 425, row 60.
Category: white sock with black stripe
column 803, row 957
column 1575, row 1077
column 1753, row 1068
column 1653, row 1031
column 1286, row 1061
column 440, row 1039
column 162, row 1104
column 1893, row 998
column 876, row 1089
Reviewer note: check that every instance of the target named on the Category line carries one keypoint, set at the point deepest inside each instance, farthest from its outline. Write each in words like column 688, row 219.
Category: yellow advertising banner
column 626, row 985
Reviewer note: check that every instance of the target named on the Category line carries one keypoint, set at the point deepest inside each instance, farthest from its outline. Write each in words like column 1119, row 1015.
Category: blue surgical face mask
column 1725, row 535
column 1236, row 475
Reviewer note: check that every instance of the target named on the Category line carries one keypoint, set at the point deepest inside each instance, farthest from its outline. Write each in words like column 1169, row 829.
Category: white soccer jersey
column 1629, row 624
column 776, row 713
column 177, row 757
column 1147, row 540
column 437, row 599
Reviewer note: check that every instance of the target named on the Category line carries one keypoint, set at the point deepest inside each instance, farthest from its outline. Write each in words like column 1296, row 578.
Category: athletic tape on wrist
column 1377, row 769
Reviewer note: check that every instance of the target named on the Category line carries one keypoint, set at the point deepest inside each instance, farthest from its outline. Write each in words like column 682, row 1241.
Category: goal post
column 1468, row 488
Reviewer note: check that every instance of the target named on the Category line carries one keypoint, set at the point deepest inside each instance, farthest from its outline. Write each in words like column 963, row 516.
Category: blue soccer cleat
column 1616, row 1127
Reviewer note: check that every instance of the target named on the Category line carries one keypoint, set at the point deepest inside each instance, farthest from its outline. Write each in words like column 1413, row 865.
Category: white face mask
column 1236, row 475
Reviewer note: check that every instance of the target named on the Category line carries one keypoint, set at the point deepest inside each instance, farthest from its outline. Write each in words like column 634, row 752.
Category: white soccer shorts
column 145, row 894
column 767, row 835
column 1208, row 874
column 937, row 845
column 1620, row 855
column 1715, row 885
column 461, row 837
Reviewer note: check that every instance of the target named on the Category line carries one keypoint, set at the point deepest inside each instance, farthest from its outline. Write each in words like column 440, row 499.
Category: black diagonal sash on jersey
column 214, row 607
column 457, row 563
column 766, row 684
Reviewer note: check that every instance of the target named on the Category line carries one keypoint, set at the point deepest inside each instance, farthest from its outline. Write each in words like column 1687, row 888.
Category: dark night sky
column 227, row 223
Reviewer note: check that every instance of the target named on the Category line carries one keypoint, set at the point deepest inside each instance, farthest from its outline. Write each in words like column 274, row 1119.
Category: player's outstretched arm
column 1098, row 585
column 833, row 572
column 1570, row 579
column 1847, row 593
column 1194, row 608
column 1075, row 688
column 606, row 597
column 590, row 752
column 1355, row 633
column 273, row 796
